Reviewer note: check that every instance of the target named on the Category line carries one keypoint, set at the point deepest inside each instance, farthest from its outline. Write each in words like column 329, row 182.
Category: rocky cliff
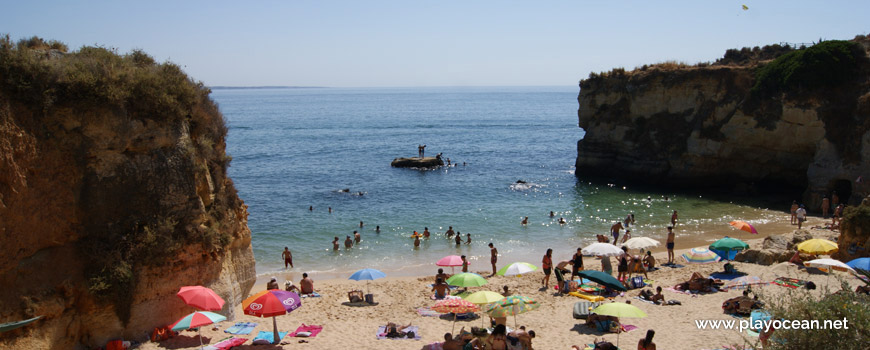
column 113, row 194
column 779, row 119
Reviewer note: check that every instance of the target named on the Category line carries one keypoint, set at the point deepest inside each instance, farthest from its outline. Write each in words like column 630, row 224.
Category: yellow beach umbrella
column 817, row 246
column 483, row 297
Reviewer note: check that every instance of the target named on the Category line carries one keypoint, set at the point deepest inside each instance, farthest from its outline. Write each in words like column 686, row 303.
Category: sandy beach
column 398, row 298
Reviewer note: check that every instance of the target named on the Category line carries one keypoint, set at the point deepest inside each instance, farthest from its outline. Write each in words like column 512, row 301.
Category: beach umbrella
column 450, row 260
column 512, row 305
column 744, row 226
column 817, row 246
column 602, row 279
column 196, row 320
column 517, row 269
column 201, row 298
column 271, row 303
column 829, row 264
column 367, row 275
column 602, row 249
column 640, row 243
column 483, row 297
column 620, row 310
column 860, row 264
column 728, row 247
column 455, row 306
column 466, row 279
column 700, row 256
column 742, row 282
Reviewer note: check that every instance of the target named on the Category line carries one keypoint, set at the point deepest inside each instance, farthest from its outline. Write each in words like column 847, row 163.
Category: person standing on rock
column 801, row 216
column 422, row 151
column 670, row 244
column 288, row 257
column 794, row 208
column 826, row 205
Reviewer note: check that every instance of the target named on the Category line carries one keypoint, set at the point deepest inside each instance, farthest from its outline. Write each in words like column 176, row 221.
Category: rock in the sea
column 417, row 162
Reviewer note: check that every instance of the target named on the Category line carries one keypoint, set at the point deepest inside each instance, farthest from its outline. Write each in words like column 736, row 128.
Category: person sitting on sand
column 506, row 292
column 449, row 232
column 658, row 298
column 498, row 339
column 637, row 267
column 306, row 284
column 348, row 243
column 272, row 284
column 290, row 287
column 522, row 337
column 796, row 259
column 646, row 343
column 649, row 261
column 440, row 288
column 450, row 343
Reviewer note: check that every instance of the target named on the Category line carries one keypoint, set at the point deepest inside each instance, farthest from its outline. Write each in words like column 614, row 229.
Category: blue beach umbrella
column 367, row 275
column 860, row 263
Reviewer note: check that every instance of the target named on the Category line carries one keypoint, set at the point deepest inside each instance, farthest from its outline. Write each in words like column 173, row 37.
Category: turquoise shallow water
column 295, row 148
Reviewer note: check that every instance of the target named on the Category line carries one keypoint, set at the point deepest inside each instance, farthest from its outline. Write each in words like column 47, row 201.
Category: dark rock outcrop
column 417, row 162
column 704, row 126
column 113, row 194
column 854, row 239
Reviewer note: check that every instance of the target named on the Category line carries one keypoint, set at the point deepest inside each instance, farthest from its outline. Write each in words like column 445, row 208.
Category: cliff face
column 693, row 126
column 113, row 194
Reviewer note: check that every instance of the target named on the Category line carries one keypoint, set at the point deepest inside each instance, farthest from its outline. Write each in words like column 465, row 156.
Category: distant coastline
column 263, row 87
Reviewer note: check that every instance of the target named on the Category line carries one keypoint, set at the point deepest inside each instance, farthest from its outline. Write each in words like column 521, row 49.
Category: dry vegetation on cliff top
column 43, row 76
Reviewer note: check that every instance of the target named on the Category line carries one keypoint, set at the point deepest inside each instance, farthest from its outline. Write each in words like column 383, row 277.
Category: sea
column 298, row 148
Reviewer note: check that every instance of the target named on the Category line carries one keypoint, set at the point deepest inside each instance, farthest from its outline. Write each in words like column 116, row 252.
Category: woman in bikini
column 498, row 339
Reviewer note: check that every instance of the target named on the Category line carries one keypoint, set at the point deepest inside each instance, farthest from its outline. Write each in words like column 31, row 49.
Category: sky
column 427, row 43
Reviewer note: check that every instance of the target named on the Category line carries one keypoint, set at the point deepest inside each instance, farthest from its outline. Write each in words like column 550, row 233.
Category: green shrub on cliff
column 826, row 64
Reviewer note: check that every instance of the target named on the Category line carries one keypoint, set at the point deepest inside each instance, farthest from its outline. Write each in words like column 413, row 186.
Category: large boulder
column 798, row 237
column 775, row 242
column 764, row 256
column 417, row 162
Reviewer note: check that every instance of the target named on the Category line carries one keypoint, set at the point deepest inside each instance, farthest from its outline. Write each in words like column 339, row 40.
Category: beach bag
column 637, row 282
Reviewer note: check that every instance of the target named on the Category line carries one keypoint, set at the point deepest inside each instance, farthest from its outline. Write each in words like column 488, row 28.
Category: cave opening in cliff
column 843, row 189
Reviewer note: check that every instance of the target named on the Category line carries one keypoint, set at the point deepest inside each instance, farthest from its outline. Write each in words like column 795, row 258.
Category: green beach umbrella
column 466, row 279
column 621, row 310
column 517, row 269
column 729, row 244
column 512, row 305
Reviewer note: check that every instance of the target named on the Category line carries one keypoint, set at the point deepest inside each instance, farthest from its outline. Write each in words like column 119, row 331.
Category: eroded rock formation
column 427, row 162
column 704, row 126
column 113, row 194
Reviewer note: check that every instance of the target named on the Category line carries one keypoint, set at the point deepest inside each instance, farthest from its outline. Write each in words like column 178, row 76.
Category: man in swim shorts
column 578, row 263
column 670, row 244
column 288, row 257
column 614, row 231
column 493, row 256
column 449, row 232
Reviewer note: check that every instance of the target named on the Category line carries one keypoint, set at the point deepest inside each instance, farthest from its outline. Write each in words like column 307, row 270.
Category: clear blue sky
column 427, row 43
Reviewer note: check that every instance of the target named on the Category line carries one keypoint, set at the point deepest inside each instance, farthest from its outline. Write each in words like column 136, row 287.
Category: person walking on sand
column 493, row 257
column 614, row 231
column 348, row 243
column 464, row 264
column 288, row 257
column 826, row 205
column 335, row 243
column 547, row 266
column 794, row 208
column 578, row 263
column 674, row 219
column 670, row 244
column 801, row 216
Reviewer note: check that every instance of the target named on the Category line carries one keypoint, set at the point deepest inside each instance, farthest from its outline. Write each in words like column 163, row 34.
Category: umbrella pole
column 454, row 324
column 199, row 330
column 274, row 330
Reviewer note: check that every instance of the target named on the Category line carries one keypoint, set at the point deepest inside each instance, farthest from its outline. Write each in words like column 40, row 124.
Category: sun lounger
column 267, row 337
column 311, row 330
column 241, row 328
column 582, row 309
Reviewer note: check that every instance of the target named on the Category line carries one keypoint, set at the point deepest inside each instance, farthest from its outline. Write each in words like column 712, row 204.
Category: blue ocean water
column 295, row 148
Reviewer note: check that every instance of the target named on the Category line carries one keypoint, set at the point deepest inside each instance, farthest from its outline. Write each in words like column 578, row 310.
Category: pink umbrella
column 450, row 260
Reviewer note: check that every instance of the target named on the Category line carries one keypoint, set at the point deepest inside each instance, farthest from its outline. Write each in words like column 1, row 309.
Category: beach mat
column 313, row 329
column 241, row 328
column 310, row 295
column 789, row 282
column 268, row 337
column 673, row 266
column 382, row 333
column 727, row 276
column 226, row 344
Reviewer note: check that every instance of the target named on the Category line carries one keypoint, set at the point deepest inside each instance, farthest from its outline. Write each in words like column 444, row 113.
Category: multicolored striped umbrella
column 455, row 306
column 272, row 302
column 517, row 269
column 196, row 320
column 700, row 256
column 512, row 305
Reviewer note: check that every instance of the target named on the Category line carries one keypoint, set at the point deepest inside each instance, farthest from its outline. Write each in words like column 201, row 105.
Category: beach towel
column 434, row 346
column 726, row 276
column 427, row 312
column 673, row 265
column 628, row 328
column 266, row 337
column 644, row 300
column 312, row 329
column 310, row 295
column 227, row 344
column 241, row 328
column 382, row 333
column 789, row 282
